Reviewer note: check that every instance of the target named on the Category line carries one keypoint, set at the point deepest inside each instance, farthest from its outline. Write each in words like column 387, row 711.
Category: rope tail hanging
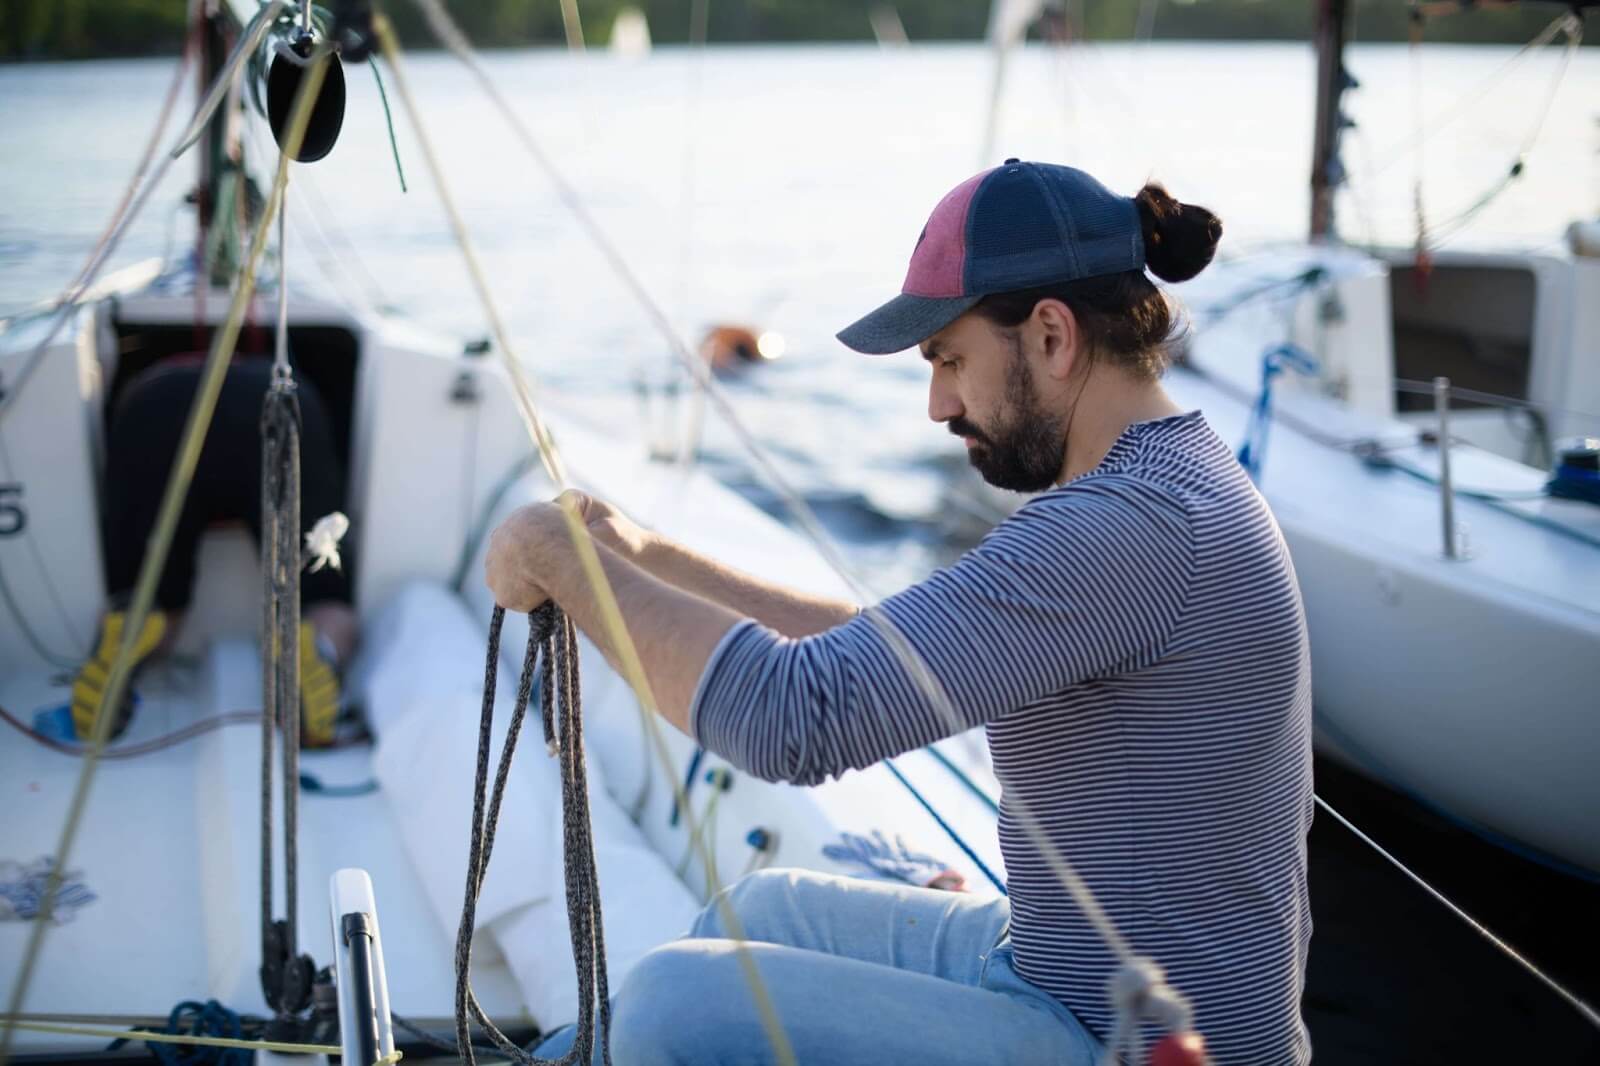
column 551, row 632
column 286, row 976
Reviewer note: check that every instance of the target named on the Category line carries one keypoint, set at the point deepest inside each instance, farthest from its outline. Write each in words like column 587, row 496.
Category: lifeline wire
column 1588, row 1012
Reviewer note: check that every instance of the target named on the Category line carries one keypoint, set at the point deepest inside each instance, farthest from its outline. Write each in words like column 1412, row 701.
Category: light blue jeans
column 857, row 971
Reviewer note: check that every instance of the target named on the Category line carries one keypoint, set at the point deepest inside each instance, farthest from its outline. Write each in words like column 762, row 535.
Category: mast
column 1327, row 170
column 214, row 144
column 1008, row 25
column 213, row 50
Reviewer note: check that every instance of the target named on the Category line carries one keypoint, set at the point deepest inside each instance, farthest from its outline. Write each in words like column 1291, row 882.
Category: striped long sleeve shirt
column 1133, row 641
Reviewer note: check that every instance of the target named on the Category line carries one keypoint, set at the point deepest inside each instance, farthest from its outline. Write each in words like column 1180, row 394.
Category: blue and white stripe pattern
column 1134, row 643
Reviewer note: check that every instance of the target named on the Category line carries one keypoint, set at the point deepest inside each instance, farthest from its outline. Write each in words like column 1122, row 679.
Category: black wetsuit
column 146, row 428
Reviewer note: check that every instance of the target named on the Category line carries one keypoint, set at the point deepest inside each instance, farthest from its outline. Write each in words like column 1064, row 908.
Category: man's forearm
column 789, row 611
column 673, row 631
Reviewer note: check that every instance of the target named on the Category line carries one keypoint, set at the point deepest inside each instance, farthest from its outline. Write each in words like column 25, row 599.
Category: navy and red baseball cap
column 1017, row 226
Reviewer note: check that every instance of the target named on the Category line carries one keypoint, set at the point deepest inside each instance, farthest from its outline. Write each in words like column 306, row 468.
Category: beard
column 1024, row 449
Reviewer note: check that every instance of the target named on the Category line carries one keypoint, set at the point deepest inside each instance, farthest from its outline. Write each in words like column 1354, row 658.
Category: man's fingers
column 576, row 501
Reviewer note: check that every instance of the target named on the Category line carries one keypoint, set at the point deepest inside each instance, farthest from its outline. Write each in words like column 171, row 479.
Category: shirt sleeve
column 1084, row 582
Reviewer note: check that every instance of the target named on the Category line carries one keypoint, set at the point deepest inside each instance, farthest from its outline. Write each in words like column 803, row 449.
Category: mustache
column 962, row 428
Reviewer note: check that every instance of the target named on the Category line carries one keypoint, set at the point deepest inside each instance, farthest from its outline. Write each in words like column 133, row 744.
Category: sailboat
column 1424, row 430
column 161, row 898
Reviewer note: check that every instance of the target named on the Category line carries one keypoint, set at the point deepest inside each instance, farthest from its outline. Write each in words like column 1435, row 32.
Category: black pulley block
column 327, row 112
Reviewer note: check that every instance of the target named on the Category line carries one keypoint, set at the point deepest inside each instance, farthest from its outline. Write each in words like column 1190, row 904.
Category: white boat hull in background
column 1471, row 684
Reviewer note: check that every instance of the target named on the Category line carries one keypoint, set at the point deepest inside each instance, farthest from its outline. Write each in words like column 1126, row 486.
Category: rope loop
column 550, row 632
column 286, row 973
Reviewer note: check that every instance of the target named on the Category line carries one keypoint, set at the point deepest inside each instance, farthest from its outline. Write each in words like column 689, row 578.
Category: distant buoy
column 726, row 347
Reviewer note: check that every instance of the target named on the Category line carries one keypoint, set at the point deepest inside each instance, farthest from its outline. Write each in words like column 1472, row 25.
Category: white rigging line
column 337, row 258
column 689, row 441
column 1425, row 130
column 128, row 210
column 280, row 340
column 1458, row 222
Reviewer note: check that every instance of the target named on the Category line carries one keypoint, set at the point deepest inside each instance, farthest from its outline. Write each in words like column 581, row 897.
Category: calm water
column 784, row 187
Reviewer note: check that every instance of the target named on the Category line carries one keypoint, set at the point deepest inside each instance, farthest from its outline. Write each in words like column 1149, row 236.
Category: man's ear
column 1058, row 337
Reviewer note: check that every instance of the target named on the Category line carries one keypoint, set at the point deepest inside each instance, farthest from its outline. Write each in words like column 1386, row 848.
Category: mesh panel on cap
column 1010, row 215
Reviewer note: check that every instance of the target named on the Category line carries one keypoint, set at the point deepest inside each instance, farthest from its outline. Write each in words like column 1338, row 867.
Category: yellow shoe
column 319, row 692
column 89, row 686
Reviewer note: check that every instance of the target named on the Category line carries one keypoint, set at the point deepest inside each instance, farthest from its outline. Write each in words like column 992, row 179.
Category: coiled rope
column 551, row 632
column 286, row 975
column 615, row 627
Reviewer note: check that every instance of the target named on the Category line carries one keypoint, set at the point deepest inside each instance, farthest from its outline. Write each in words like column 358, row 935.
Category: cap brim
column 904, row 322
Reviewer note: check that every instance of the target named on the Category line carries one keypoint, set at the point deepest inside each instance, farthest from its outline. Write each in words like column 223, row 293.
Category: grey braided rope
column 280, row 652
column 551, row 632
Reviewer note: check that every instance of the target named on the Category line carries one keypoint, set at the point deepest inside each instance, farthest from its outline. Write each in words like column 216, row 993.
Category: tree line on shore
column 81, row 29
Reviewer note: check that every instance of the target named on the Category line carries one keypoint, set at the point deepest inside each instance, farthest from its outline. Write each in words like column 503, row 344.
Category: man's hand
column 521, row 551
column 533, row 538
column 607, row 524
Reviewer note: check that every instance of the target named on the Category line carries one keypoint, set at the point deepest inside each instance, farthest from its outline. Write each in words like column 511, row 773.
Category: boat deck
column 170, row 844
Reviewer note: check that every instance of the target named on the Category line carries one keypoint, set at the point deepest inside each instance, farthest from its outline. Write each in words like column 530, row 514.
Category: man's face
column 984, row 389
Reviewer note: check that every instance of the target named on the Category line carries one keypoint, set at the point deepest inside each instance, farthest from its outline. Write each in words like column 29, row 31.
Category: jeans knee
column 750, row 900
column 673, row 999
column 642, row 1018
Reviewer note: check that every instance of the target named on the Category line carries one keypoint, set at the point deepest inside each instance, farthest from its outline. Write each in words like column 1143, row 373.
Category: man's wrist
column 630, row 541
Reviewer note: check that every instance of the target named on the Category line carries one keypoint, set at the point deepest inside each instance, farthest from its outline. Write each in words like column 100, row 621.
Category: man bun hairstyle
column 1179, row 238
column 1127, row 319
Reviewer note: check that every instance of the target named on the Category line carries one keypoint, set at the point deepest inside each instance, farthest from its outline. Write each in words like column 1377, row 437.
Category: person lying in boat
column 146, row 427
column 1132, row 639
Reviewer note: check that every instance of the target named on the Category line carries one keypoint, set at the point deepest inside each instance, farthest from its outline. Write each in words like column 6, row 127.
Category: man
column 1132, row 639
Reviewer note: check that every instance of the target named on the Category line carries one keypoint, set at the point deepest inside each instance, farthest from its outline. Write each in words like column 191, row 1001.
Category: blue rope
column 688, row 783
column 961, row 775
column 192, row 1018
column 946, row 826
column 312, row 784
column 1253, row 452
